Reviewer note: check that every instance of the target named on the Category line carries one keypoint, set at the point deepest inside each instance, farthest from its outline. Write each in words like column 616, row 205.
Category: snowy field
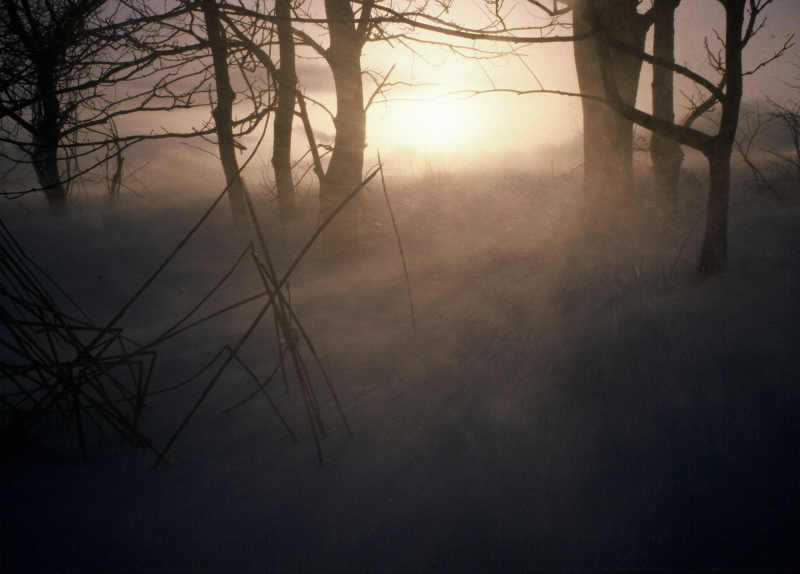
column 574, row 399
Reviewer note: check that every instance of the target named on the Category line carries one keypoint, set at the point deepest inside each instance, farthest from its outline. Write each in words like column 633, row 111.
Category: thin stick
column 279, row 294
column 685, row 241
column 299, row 366
column 217, row 375
column 190, row 326
column 325, row 224
column 263, row 390
column 281, row 355
column 400, row 247
column 185, row 239
column 312, row 144
column 219, row 284
column 259, row 386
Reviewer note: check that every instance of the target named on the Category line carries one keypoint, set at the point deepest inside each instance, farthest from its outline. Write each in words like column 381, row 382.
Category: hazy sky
column 532, row 131
column 498, row 122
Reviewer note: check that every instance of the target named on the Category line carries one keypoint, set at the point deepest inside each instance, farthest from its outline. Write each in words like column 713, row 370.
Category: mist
column 573, row 397
column 500, row 356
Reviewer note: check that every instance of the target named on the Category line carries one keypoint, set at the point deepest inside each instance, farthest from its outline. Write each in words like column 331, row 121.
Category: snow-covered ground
column 574, row 399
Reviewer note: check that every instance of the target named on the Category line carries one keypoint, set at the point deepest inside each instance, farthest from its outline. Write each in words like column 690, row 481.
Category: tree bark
column 717, row 148
column 223, row 113
column 47, row 138
column 284, row 114
column 608, row 137
column 347, row 157
column 714, row 253
column 666, row 154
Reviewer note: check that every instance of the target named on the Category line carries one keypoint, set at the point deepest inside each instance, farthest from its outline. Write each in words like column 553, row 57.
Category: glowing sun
column 431, row 126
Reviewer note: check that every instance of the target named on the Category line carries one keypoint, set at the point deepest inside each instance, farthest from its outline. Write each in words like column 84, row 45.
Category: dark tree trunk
column 608, row 137
column 718, row 148
column 45, row 165
column 666, row 153
column 713, row 257
column 47, row 138
column 223, row 113
column 284, row 115
column 714, row 253
column 347, row 158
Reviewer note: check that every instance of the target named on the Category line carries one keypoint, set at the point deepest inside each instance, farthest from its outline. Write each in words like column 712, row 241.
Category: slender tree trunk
column 223, row 113
column 717, row 149
column 284, row 115
column 347, row 158
column 714, row 253
column 45, row 165
column 608, row 137
column 713, row 257
column 46, row 141
column 116, row 180
column 666, row 153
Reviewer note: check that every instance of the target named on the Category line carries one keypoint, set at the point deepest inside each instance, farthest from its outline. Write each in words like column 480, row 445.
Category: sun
column 441, row 126
column 433, row 125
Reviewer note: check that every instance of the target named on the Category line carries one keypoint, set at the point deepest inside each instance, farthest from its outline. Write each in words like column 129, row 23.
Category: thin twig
column 400, row 247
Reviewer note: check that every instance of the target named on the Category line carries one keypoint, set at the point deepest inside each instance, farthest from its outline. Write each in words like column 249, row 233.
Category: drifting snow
column 574, row 399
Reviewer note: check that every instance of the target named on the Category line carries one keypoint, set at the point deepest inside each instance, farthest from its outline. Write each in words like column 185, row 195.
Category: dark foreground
column 574, row 399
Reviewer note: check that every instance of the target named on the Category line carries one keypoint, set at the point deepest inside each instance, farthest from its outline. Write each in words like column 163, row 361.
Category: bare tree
column 245, row 23
column 70, row 68
column 608, row 144
column 347, row 26
column 44, row 48
column 349, row 29
column 787, row 164
column 727, row 92
column 284, row 113
column 607, row 136
column 666, row 154
column 347, row 36
column 223, row 112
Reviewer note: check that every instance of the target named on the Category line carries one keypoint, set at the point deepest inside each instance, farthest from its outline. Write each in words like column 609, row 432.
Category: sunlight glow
column 431, row 126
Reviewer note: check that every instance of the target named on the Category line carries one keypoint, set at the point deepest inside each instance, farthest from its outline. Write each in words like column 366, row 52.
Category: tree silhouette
column 44, row 54
column 70, row 68
column 666, row 154
column 727, row 92
column 347, row 36
column 223, row 112
column 607, row 136
column 284, row 113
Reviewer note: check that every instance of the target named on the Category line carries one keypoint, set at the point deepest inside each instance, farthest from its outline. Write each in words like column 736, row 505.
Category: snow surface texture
column 574, row 400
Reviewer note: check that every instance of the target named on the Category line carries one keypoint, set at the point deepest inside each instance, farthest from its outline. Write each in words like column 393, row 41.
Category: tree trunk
column 608, row 137
column 45, row 165
column 46, row 140
column 714, row 253
column 666, row 154
column 347, row 158
column 718, row 148
column 284, row 114
column 223, row 113
column 713, row 257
